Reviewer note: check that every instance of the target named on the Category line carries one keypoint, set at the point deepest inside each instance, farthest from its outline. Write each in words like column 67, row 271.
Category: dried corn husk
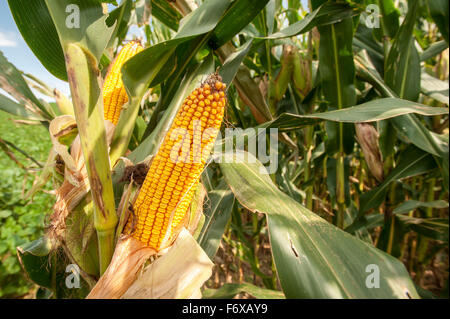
column 178, row 272
column 367, row 137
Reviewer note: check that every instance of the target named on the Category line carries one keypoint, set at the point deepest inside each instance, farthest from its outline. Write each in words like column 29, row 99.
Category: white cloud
column 7, row 39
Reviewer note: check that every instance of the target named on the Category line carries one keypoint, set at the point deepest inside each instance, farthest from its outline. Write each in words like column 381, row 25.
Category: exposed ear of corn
column 114, row 94
column 174, row 173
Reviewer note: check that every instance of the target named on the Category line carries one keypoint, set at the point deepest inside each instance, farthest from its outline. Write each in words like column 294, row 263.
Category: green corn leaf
column 162, row 11
column 439, row 13
column 11, row 107
column 12, row 81
column 38, row 30
column 219, row 204
column 328, row 13
column 389, row 17
column 375, row 110
column 434, row 228
column 402, row 71
column 434, row 88
column 232, row 63
column 313, row 258
column 238, row 15
column 413, row 204
column 433, row 50
column 413, row 162
column 337, row 76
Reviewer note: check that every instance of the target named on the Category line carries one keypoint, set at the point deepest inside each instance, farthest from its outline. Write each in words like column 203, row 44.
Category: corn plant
column 307, row 141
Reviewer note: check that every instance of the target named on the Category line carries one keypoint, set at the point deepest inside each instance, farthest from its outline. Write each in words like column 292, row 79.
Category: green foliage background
column 20, row 222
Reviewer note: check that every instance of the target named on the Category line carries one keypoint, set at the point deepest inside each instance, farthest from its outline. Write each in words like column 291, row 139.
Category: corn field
column 235, row 148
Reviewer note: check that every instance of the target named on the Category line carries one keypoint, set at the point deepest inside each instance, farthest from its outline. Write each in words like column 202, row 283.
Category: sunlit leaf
column 314, row 259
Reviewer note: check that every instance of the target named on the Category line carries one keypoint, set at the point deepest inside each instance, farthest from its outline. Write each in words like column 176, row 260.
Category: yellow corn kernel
column 162, row 217
column 114, row 94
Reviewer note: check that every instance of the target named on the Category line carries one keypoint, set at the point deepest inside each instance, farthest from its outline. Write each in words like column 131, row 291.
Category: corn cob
column 114, row 94
column 174, row 173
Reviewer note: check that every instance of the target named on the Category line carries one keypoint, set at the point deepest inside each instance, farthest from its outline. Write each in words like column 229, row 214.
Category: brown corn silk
column 114, row 93
column 163, row 201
